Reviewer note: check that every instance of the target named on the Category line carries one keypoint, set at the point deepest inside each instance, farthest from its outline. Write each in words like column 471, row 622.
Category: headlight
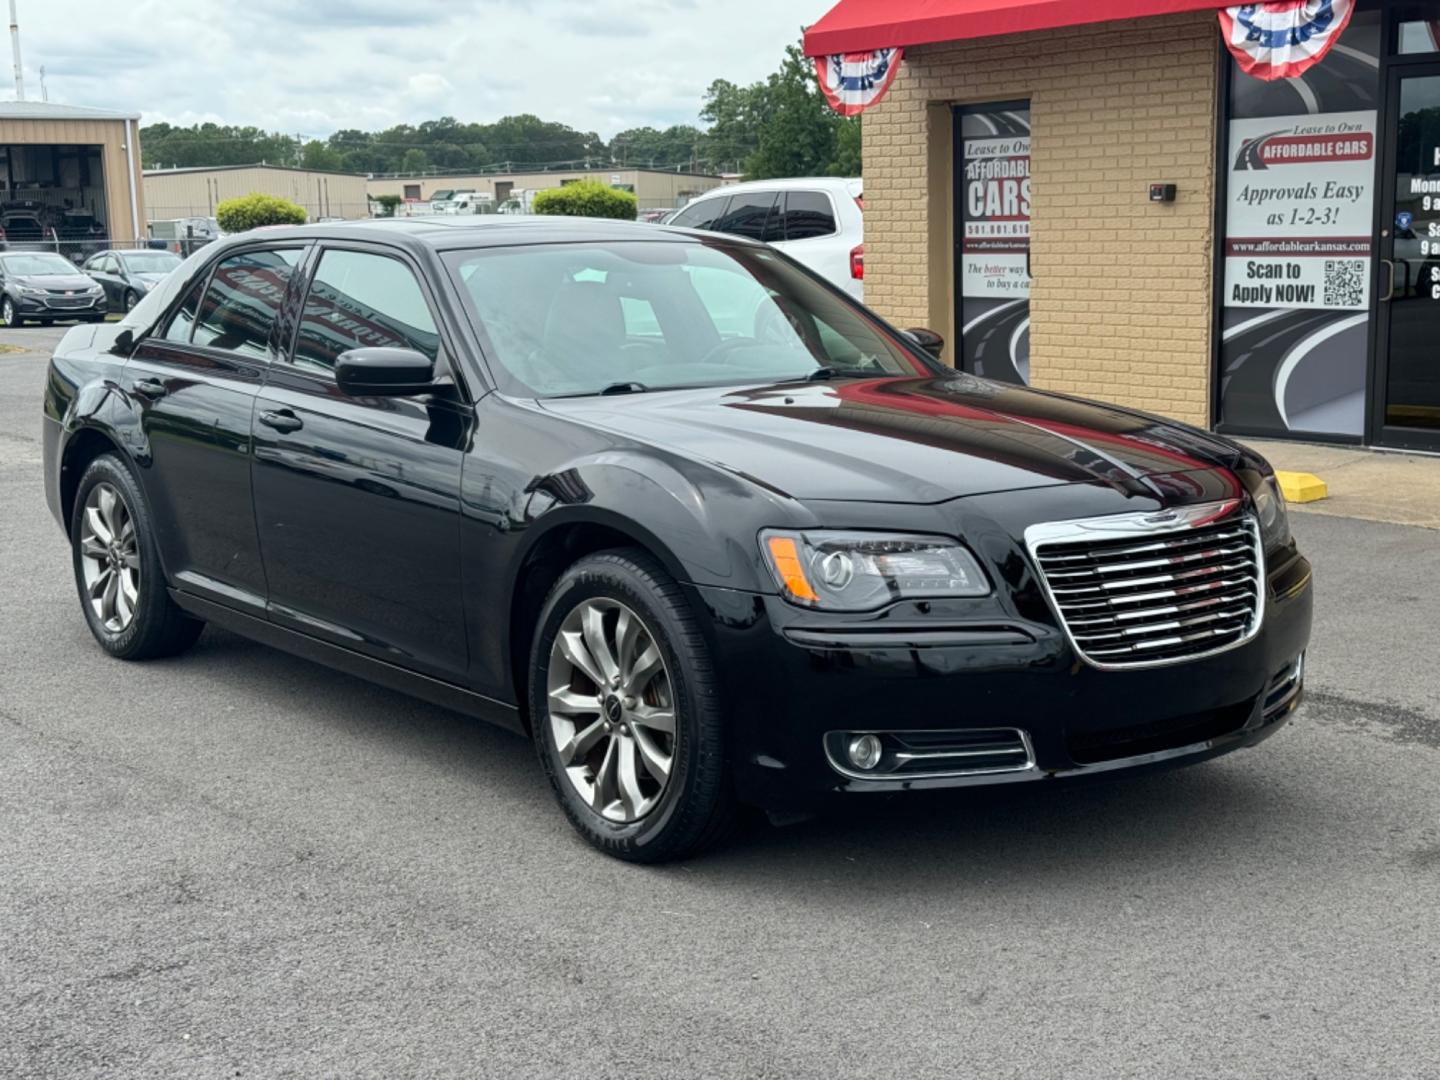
column 26, row 290
column 856, row 571
column 1274, row 518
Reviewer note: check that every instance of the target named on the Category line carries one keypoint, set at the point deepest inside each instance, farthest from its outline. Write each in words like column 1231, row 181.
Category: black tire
column 131, row 299
column 9, row 317
column 697, row 807
column 158, row 628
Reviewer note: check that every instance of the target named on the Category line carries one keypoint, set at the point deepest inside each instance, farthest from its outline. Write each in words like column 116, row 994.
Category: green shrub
column 587, row 198
column 254, row 210
column 388, row 204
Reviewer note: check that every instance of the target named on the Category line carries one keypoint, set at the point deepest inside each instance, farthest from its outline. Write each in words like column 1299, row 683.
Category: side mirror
column 928, row 340
column 384, row 373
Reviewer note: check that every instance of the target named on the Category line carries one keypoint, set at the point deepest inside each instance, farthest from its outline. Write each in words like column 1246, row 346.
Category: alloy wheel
column 110, row 558
column 612, row 710
column 130, row 301
column 7, row 312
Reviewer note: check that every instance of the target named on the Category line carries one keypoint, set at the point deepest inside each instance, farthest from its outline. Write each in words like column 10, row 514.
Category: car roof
column 852, row 185
column 444, row 232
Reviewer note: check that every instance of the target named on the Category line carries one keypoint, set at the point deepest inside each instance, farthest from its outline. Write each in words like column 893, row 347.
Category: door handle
column 282, row 421
column 151, row 388
column 1390, row 292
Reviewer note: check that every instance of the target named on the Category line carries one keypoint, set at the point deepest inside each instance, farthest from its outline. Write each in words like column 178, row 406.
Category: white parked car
column 818, row 221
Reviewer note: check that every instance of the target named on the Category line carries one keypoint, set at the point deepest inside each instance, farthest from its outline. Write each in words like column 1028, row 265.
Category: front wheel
column 625, row 711
column 131, row 300
column 117, row 568
column 7, row 313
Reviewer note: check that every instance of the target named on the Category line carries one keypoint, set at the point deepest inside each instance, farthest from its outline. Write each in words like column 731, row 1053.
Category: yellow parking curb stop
column 1302, row 487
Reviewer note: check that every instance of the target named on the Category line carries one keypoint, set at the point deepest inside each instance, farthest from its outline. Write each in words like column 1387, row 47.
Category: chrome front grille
column 1142, row 590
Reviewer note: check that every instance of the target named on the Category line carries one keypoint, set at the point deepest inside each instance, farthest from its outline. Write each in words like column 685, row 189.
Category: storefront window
column 993, row 155
column 1299, row 245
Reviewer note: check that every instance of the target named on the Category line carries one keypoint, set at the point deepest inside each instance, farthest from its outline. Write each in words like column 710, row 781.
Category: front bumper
column 789, row 683
column 60, row 307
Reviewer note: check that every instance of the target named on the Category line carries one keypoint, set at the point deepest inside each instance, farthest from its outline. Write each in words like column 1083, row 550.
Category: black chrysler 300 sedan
column 706, row 530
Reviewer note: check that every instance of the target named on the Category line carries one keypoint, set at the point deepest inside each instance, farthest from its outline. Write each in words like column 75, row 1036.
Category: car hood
column 148, row 280
column 905, row 440
column 75, row 282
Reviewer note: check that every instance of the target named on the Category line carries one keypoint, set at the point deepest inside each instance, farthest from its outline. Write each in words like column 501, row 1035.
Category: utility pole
column 44, row 93
column 15, row 45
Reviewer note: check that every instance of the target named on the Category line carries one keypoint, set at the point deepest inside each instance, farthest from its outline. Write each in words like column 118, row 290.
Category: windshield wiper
column 624, row 388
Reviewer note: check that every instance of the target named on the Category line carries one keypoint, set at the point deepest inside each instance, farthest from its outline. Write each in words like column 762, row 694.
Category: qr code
column 1344, row 283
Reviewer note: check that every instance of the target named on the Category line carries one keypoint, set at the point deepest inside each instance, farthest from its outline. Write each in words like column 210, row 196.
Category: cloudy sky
column 314, row 66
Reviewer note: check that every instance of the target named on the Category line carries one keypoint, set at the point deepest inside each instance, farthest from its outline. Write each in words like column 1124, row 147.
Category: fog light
column 865, row 752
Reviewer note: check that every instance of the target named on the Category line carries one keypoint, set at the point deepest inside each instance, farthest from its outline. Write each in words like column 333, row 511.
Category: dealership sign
column 852, row 82
column 1301, row 211
column 1283, row 40
column 996, row 246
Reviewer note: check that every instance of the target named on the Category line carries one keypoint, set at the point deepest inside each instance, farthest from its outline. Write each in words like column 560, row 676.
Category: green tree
column 780, row 127
column 797, row 135
column 414, row 160
column 847, row 147
column 733, row 134
column 255, row 210
column 319, row 155
column 679, row 146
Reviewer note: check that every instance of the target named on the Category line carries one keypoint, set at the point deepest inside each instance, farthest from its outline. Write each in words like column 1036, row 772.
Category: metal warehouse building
column 185, row 193
column 1120, row 200
column 655, row 189
column 70, row 175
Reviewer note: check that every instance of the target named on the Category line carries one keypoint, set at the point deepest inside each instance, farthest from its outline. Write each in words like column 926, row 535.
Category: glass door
column 1407, row 373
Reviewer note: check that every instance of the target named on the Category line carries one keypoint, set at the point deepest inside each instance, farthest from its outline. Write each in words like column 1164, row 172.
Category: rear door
column 195, row 381
column 357, row 500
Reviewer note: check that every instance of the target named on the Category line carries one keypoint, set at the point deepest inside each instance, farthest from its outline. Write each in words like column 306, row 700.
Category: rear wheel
column 625, row 711
column 117, row 568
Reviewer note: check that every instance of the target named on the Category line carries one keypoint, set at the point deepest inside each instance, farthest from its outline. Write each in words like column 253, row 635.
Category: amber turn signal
column 785, row 557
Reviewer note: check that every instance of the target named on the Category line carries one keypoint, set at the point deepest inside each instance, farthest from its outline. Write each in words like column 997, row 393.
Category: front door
column 992, row 241
column 1406, row 391
column 357, row 500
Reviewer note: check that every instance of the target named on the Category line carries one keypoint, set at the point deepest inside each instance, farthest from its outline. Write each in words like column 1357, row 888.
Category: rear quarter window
column 809, row 215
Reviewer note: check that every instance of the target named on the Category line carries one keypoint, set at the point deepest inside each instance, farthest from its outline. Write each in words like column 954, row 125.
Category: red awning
column 860, row 25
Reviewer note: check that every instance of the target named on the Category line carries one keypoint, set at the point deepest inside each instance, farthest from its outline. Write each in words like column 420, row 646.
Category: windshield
column 150, row 262
column 576, row 319
column 38, row 265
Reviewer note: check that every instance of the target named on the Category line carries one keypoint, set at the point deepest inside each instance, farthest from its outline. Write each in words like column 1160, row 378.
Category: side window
column 749, row 214
column 808, row 215
column 702, row 214
column 359, row 300
column 244, row 297
column 183, row 320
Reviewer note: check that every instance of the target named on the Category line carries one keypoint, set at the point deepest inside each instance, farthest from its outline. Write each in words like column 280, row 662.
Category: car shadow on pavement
column 1221, row 813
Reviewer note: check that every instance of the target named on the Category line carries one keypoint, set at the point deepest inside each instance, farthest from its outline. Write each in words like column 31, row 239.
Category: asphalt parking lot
column 240, row 864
